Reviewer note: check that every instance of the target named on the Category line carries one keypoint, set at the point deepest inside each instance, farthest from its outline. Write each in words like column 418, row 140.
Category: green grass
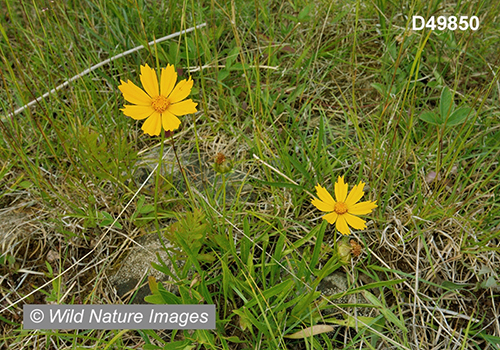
column 294, row 94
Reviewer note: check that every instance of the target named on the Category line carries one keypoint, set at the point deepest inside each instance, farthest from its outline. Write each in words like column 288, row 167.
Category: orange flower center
column 340, row 208
column 160, row 103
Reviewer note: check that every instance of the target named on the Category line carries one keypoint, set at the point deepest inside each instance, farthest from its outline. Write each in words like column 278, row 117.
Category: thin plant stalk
column 182, row 170
column 157, row 182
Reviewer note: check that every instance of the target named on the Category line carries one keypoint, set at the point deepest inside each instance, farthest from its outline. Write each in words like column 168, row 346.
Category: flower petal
column 168, row 79
column 355, row 194
column 183, row 107
column 341, row 189
column 149, row 81
column 354, row 221
column 324, row 195
column 181, row 90
column 137, row 112
column 152, row 125
column 331, row 217
column 169, row 121
column 322, row 205
column 342, row 225
column 362, row 208
column 134, row 94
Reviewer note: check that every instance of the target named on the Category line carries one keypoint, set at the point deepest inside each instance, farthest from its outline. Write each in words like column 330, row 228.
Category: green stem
column 224, row 179
column 182, row 172
column 157, row 181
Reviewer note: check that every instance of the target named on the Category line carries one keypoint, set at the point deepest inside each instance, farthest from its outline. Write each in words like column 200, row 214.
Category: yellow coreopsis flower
column 160, row 104
column 345, row 207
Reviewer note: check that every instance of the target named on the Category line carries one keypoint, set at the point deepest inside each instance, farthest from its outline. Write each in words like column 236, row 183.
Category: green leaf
column 380, row 88
column 304, row 303
column 299, row 60
column 231, row 57
column 304, row 14
column 7, row 259
column 203, row 336
column 353, row 322
column 240, row 66
column 108, row 220
column 271, row 292
column 180, row 345
column 3, row 319
column 298, row 165
column 319, row 242
column 226, row 280
column 223, row 74
column 245, row 241
column 51, row 272
column 148, row 208
column 431, row 118
column 25, row 184
column 489, row 338
column 446, row 104
column 222, row 241
column 251, row 320
column 459, row 116
column 331, row 265
column 490, row 282
column 160, row 295
column 290, row 18
column 388, row 314
column 455, row 286
column 318, row 231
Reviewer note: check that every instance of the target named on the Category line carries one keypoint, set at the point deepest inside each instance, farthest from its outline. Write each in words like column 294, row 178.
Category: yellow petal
column 169, row 121
column 354, row 221
column 324, row 195
column 149, row 81
column 181, row 90
column 355, row 194
column 152, row 125
column 322, row 205
column 134, row 94
column 168, row 79
column 331, row 217
column 342, row 225
column 362, row 208
column 137, row 112
column 183, row 107
column 341, row 189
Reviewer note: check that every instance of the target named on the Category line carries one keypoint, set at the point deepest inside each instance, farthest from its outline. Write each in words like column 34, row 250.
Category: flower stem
column 224, row 179
column 182, row 171
column 157, row 183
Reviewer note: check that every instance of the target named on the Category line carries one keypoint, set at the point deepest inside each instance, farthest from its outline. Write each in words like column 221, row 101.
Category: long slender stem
column 224, row 179
column 157, row 181
column 182, row 171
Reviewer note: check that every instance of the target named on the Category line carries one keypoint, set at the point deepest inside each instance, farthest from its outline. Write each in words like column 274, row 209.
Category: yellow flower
column 342, row 210
column 159, row 104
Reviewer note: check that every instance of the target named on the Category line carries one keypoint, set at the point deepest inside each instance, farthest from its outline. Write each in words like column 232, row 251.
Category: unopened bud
column 344, row 250
column 222, row 165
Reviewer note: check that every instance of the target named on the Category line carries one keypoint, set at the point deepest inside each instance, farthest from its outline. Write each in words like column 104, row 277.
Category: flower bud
column 222, row 165
column 344, row 250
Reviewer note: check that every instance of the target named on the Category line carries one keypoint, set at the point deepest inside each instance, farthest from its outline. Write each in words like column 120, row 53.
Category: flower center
column 340, row 208
column 160, row 103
